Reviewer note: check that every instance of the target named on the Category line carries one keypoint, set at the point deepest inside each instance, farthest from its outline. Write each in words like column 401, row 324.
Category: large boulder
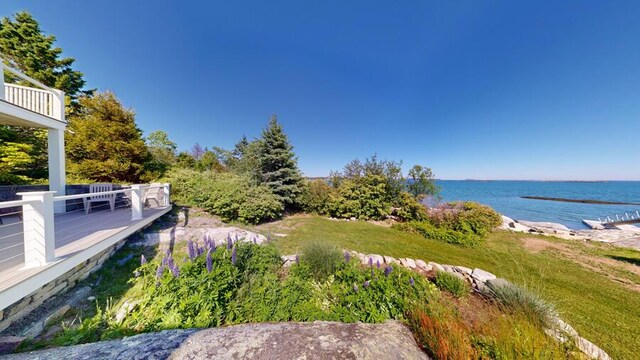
column 317, row 340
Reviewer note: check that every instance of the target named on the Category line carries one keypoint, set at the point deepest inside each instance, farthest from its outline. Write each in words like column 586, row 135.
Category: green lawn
column 602, row 310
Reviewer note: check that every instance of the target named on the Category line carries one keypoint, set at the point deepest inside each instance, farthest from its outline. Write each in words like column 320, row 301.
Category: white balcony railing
column 42, row 100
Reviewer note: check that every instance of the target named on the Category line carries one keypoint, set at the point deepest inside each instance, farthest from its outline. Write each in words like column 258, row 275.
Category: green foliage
column 522, row 301
column 421, row 182
column 451, row 283
column 364, row 198
column 232, row 197
column 439, row 233
column 317, row 197
column 408, row 208
column 162, row 153
column 322, row 258
column 104, row 143
column 278, row 165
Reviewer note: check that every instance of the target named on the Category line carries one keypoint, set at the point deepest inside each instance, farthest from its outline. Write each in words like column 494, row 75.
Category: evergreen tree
column 278, row 165
column 104, row 143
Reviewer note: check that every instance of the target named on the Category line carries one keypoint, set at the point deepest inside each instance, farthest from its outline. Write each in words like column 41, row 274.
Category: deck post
column 39, row 228
column 165, row 189
column 2, row 78
column 57, row 180
column 136, row 202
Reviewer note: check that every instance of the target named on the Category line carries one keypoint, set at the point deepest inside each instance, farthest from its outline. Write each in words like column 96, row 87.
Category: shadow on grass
column 630, row 260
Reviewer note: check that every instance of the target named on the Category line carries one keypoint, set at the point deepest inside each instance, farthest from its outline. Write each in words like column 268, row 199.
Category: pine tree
column 278, row 164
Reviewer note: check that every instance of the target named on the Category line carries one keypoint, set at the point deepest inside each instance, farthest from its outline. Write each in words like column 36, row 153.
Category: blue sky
column 488, row 90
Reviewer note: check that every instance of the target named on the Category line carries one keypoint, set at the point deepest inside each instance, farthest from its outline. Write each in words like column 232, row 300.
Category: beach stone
column 542, row 225
column 423, row 265
column 408, row 263
column 436, row 266
column 8, row 344
column 463, row 270
column 481, row 275
column 389, row 260
column 288, row 260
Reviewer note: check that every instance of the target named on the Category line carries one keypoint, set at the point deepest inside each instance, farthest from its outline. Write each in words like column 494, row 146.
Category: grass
column 451, row 283
column 519, row 300
column 601, row 310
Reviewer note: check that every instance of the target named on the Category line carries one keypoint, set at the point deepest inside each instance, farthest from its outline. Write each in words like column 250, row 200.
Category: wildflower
column 372, row 273
column 143, row 260
column 191, row 250
column 170, row 262
column 229, row 241
column 136, row 273
column 370, row 262
column 268, row 237
column 347, row 256
column 168, row 252
column 367, row 283
column 175, row 271
column 234, row 256
column 411, row 282
column 200, row 250
column 209, row 261
column 355, row 287
column 255, row 241
column 297, row 259
column 387, row 270
column 159, row 271
column 378, row 264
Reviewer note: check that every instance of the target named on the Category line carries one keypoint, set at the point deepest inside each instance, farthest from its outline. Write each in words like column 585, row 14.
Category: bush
column 466, row 217
column 437, row 233
column 232, row 197
column 322, row 258
column 450, row 282
column 520, row 300
column 364, row 198
column 409, row 209
column 317, row 196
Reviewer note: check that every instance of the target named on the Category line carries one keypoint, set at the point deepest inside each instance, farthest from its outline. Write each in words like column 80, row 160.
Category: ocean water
column 505, row 197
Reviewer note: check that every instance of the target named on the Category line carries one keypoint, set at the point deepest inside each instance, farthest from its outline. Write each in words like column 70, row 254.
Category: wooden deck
column 78, row 237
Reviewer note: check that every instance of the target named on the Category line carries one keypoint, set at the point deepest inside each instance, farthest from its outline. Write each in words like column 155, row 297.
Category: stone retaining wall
column 23, row 307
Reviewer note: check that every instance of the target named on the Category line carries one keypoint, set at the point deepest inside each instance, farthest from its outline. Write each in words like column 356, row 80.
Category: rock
column 125, row 260
column 91, row 298
column 288, row 260
column 289, row 340
column 9, row 344
column 376, row 258
column 125, row 309
column 449, row 268
column 389, row 260
column 353, row 218
column 217, row 234
column 408, row 263
column 423, row 265
column 463, row 270
column 541, row 225
column 481, row 275
column 436, row 266
column 591, row 350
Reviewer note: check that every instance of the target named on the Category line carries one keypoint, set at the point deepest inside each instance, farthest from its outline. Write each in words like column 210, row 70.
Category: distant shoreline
column 583, row 201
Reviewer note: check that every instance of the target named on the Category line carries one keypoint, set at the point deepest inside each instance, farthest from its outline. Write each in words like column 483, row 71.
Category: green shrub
column 466, row 217
column 317, row 196
column 520, row 300
column 451, row 283
column 363, row 198
column 232, row 197
column 430, row 231
column 322, row 258
column 409, row 209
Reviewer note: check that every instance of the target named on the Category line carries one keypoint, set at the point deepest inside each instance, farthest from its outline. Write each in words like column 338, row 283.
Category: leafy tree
column 278, row 165
column 24, row 46
column 248, row 163
column 197, row 151
column 162, row 154
column 185, row 160
column 209, row 161
column 104, row 143
column 422, row 182
column 391, row 171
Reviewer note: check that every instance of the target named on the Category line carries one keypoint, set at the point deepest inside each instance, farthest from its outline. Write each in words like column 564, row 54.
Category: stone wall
column 23, row 307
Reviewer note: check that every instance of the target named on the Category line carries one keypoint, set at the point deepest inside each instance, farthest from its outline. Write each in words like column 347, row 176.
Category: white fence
column 40, row 101
column 29, row 235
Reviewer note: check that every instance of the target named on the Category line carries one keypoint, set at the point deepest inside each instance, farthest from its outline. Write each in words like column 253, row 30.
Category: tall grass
column 322, row 258
column 520, row 300
column 451, row 283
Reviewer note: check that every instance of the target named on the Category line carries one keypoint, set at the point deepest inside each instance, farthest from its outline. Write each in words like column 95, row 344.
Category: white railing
column 38, row 225
column 42, row 100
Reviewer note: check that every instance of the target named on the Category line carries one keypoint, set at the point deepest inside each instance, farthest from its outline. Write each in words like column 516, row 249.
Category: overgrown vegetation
column 522, row 301
column 232, row 197
column 451, row 283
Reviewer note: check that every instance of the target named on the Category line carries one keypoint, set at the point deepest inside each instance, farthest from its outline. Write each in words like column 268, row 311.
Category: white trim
column 23, row 117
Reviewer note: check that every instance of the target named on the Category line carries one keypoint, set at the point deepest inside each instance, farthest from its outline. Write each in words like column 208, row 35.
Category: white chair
column 97, row 188
column 156, row 193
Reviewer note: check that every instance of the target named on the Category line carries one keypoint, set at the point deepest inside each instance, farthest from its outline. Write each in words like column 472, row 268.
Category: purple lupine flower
column 168, row 252
column 143, row 260
column 297, row 259
column 170, row 262
column 370, row 262
column 175, row 271
column 355, row 287
column 387, row 270
column 255, row 241
column 367, row 283
column 209, row 261
column 347, row 256
column 378, row 264
column 234, row 256
column 236, row 238
column 372, row 273
column 200, row 250
column 191, row 250
column 268, row 236
column 411, row 282
column 159, row 271
column 229, row 242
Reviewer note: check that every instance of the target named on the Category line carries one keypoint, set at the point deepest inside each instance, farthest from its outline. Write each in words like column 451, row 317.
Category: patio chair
column 155, row 193
column 96, row 188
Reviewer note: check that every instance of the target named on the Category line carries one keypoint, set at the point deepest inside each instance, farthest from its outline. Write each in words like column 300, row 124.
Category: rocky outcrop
column 218, row 234
column 317, row 340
